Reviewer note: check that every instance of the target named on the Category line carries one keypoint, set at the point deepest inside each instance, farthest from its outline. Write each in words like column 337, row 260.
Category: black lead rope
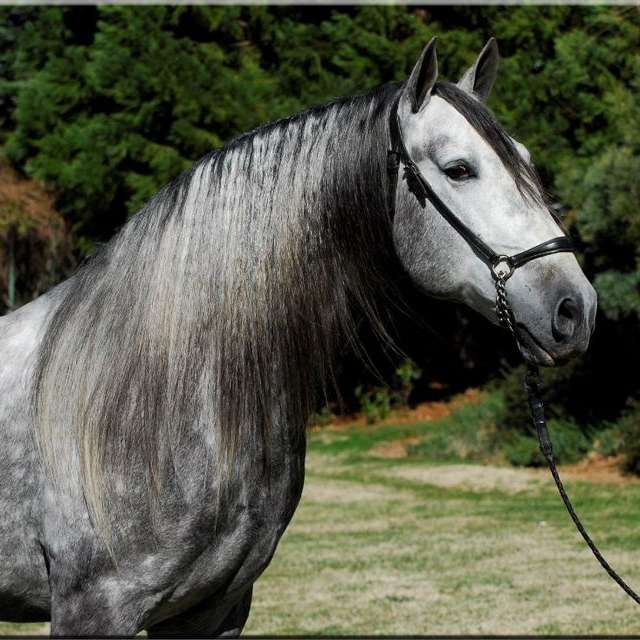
column 534, row 389
column 502, row 267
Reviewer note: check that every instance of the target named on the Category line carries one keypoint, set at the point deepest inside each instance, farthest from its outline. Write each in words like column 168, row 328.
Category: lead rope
column 533, row 387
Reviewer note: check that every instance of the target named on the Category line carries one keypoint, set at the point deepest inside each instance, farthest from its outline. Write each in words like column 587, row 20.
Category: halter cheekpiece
column 502, row 268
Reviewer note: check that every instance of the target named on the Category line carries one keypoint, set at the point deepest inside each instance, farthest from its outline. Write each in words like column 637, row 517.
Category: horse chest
column 234, row 553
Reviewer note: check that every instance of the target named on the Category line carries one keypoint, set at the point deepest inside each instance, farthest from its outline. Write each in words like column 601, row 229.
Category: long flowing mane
column 214, row 314
column 217, row 308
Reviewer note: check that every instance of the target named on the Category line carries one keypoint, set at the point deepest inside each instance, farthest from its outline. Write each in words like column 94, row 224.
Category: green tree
column 106, row 104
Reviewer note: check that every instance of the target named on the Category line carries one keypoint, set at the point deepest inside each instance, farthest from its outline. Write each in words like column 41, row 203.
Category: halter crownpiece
column 502, row 268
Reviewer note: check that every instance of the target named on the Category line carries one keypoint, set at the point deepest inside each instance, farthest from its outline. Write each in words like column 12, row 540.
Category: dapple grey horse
column 153, row 406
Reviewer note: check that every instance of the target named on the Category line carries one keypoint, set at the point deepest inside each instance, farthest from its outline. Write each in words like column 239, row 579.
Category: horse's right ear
column 479, row 78
column 424, row 75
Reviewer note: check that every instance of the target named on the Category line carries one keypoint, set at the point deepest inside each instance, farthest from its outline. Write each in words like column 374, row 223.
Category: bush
column 467, row 434
column 564, row 391
column 523, row 451
column 570, row 444
column 323, row 417
column 629, row 429
column 609, row 441
column 570, row 418
column 407, row 373
column 375, row 404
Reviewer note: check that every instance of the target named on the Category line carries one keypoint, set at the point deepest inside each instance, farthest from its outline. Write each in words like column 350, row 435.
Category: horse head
column 471, row 204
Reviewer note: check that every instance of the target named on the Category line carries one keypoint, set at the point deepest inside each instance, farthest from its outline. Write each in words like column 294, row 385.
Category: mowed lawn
column 390, row 540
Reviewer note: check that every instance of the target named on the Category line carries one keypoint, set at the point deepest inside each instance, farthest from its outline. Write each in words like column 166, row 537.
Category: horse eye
column 459, row 171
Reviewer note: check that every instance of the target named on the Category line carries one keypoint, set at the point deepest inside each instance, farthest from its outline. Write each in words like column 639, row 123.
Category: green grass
column 441, row 543
column 466, row 435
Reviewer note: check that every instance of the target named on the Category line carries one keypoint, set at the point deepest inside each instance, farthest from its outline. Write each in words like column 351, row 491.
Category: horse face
column 553, row 303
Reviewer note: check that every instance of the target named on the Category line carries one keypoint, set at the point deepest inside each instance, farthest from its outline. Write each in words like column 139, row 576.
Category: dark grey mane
column 218, row 307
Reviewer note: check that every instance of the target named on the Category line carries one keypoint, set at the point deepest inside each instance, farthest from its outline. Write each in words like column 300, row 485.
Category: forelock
column 485, row 123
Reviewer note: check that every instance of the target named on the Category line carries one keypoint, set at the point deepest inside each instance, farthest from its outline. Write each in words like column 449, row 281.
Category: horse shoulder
column 24, row 592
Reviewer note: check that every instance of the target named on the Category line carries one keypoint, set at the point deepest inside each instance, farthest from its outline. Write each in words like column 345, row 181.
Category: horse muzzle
column 564, row 333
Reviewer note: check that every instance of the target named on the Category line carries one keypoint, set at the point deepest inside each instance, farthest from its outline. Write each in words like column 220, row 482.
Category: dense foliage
column 106, row 104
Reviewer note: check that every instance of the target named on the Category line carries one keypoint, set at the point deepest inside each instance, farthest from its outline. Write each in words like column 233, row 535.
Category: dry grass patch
column 473, row 477
column 31, row 629
column 341, row 492
column 395, row 449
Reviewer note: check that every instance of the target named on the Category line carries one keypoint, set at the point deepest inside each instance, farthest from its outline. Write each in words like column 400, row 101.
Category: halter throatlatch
column 502, row 268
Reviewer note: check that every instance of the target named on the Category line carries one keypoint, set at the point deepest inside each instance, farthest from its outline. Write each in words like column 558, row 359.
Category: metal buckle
column 502, row 268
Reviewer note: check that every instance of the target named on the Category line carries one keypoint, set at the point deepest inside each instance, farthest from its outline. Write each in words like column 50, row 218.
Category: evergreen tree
column 106, row 104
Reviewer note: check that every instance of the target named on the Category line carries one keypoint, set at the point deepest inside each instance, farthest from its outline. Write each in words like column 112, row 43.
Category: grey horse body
column 49, row 548
column 24, row 589
column 153, row 406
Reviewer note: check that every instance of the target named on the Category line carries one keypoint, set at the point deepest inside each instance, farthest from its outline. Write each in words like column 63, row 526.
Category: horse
column 153, row 405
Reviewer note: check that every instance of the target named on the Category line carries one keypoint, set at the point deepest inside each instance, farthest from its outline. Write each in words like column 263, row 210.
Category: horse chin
column 531, row 349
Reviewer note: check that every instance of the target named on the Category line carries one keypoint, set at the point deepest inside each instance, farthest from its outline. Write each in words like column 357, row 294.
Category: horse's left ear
column 418, row 87
column 478, row 79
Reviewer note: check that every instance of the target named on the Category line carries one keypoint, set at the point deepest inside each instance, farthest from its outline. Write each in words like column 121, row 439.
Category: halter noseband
column 502, row 268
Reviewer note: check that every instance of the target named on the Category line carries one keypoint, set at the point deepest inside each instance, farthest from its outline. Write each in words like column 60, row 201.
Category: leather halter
column 502, row 268
column 500, row 265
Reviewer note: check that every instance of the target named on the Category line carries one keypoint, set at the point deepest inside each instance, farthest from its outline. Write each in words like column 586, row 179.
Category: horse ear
column 478, row 80
column 424, row 75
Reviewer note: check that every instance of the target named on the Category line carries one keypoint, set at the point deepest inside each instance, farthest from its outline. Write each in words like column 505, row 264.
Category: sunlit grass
column 370, row 551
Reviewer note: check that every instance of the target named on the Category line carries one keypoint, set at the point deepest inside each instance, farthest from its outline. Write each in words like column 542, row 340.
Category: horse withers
column 153, row 406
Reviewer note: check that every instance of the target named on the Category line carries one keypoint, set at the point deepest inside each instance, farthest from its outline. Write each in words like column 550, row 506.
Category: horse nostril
column 565, row 320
